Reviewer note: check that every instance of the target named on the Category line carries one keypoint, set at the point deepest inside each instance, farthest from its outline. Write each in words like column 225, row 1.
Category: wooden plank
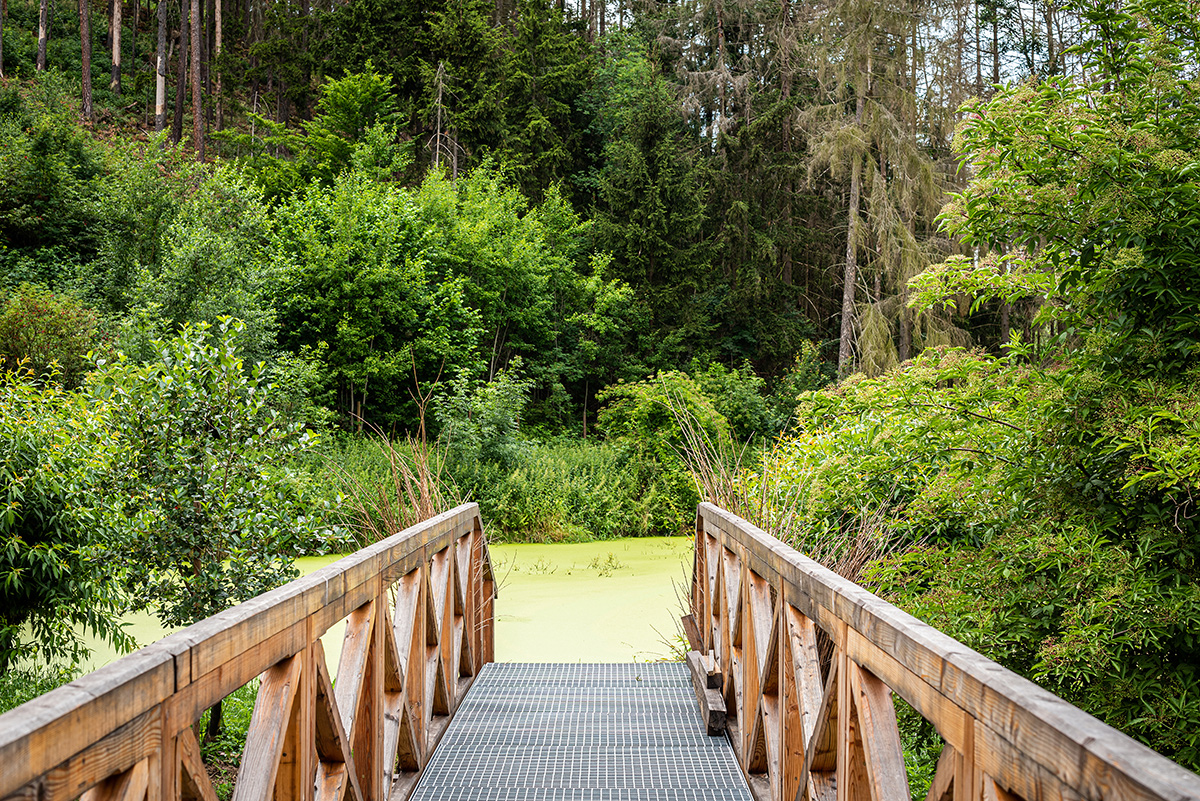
column 712, row 705
column 408, row 749
column 403, row 786
column 462, row 573
column 440, row 684
column 268, row 730
column 692, row 632
column 805, row 667
column 941, row 788
column 113, row 754
column 329, row 731
column 853, row 782
column 994, row 792
column 185, row 706
column 195, row 783
column 129, row 785
column 393, row 706
column 289, row 782
column 38, row 736
column 769, row 737
column 792, row 732
column 367, row 734
column 764, row 685
column 154, row 782
column 967, row 784
column 702, row 672
column 352, row 663
column 948, row 717
column 451, row 628
column 880, row 736
column 822, row 747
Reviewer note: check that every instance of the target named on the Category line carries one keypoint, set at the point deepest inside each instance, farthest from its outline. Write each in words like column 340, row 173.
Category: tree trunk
column 995, row 49
column 181, row 73
column 197, row 94
column 721, row 60
column 43, row 33
column 785, row 77
column 115, row 35
column 217, row 62
column 1051, row 53
column 160, row 70
column 215, row 719
column 850, row 277
column 85, row 56
column 133, row 26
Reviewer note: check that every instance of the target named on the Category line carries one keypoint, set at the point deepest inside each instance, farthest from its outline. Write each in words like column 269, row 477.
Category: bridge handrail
column 769, row 614
column 125, row 732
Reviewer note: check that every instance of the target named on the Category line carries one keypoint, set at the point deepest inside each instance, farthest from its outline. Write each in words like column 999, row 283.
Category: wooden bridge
column 802, row 663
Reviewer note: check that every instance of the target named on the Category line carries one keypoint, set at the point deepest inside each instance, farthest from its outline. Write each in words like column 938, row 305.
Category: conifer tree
column 547, row 72
column 893, row 184
column 651, row 211
column 469, row 91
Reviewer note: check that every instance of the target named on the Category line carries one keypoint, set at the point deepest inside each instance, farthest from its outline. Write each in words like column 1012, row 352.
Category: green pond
column 611, row 601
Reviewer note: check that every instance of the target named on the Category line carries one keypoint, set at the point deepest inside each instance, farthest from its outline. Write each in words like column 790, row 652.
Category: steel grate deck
column 572, row 732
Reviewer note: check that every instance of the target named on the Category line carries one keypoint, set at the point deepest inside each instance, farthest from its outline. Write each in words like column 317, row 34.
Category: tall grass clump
column 391, row 485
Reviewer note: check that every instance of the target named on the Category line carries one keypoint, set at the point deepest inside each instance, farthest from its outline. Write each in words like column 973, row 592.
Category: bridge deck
column 600, row 732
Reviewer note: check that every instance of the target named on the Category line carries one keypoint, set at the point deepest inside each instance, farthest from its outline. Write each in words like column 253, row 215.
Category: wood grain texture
column 129, row 785
column 125, row 730
column 1011, row 738
column 712, row 705
column 268, row 733
column 880, row 735
column 194, row 780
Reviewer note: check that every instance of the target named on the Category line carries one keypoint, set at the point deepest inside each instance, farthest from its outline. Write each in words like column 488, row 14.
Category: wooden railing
column 808, row 663
column 418, row 608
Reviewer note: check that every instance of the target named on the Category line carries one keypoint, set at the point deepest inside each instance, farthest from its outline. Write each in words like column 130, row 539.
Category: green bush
column 645, row 420
column 1038, row 515
column 40, row 328
column 740, row 396
column 564, row 490
column 211, row 510
column 54, row 579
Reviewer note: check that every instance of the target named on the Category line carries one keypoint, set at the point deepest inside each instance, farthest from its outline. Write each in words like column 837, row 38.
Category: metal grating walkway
column 602, row 732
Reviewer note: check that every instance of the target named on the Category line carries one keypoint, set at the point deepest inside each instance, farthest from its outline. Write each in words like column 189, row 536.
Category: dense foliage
column 211, row 513
column 53, row 574
column 586, row 264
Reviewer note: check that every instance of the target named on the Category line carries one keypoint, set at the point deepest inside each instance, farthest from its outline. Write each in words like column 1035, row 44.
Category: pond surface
column 610, row 601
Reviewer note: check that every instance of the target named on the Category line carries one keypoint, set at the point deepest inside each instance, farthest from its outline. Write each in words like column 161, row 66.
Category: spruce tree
column 548, row 69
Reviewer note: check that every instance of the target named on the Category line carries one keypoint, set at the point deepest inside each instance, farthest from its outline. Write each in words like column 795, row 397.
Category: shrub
column 212, row 509
column 53, row 577
column 643, row 419
column 740, row 397
column 1039, row 515
column 41, row 328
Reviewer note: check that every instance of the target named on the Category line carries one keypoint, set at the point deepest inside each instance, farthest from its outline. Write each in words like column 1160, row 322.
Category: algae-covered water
column 610, row 601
